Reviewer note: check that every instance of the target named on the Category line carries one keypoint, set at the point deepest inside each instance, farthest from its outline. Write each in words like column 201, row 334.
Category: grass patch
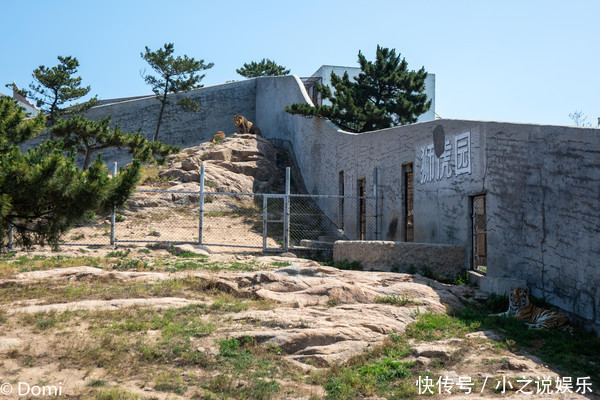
column 128, row 264
column 97, row 383
column 103, row 288
column 400, row 301
column 11, row 265
column 149, row 175
column 114, row 394
column 185, row 253
column 228, row 303
column 379, row 372
column 578, row 354
column 281, row 264
column 77, row 236
column 257, row 365
column 432, row 326
column 349, row 265
column 170, row 382
column 118, row 253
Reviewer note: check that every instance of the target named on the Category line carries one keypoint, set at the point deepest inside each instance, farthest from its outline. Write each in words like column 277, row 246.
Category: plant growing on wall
column 173, row 75
column 56, row 86
column 384, row 94
column 42, row 192
column 88, row 136
column 264, row 67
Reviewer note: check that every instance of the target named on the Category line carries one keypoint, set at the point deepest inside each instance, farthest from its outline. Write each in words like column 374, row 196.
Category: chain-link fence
column 248, row 220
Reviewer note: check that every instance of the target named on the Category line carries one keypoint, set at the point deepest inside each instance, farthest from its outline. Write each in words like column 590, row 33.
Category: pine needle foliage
column 56, row 86
column 264, row 67
column 173, row 75
column 87, row 136
column 383, row 95
column 42, row 192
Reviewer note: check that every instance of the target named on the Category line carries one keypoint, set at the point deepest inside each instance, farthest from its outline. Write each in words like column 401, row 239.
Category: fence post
column 376, row 196
column 10, row 237
column 286, row 212
column 265, row 222
column 114, row 210
column 201, row 201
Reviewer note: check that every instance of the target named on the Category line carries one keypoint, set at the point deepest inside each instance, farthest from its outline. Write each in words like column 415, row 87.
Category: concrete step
column 316, row 244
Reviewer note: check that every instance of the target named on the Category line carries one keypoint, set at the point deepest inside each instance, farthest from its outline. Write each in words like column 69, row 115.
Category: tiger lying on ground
column 536, row 317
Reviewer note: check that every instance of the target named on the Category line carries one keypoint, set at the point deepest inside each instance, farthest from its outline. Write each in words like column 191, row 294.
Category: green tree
column 42, row 192
column 265, row 67
column 14, row 128
column 88, row 136
column 173, row 75
column 56, row 86
column 384, row 94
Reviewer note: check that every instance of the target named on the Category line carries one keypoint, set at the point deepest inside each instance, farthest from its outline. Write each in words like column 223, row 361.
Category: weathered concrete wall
column 218, row 106
column 542, row 185
column 544, row 212
column 443, row 260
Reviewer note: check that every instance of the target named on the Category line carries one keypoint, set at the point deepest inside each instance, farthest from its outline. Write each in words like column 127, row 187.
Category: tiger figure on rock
column 535, row 317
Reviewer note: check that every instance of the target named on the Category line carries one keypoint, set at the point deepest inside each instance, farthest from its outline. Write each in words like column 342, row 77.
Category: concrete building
column 522, row 199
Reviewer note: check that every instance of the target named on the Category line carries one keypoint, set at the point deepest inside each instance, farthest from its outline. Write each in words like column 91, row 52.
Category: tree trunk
column 88, row 159
column 163, row 103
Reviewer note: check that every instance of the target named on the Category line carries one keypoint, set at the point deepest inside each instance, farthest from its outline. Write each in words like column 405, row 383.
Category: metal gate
column 479, row 233
column 274, row 221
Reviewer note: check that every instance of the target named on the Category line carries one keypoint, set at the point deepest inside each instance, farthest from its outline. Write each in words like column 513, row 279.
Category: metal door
column 479, row 233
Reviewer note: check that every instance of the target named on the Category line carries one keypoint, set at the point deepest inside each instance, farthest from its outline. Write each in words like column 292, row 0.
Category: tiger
column 537, row 317
column 245, row 126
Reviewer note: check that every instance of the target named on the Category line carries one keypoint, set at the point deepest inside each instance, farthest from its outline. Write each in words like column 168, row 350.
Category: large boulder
column 239, row 164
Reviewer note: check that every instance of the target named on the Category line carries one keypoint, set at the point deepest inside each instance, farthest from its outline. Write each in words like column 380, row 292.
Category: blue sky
column 518, row 61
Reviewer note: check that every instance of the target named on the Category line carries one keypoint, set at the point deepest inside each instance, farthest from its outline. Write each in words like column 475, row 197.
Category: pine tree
column 384, row 94
column 174, row 75
column 265, row 67
column 42, row 192
column 88, row 136
column 56, row 86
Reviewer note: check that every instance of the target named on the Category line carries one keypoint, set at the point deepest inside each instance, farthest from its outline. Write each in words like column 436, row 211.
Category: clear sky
column 518, row 61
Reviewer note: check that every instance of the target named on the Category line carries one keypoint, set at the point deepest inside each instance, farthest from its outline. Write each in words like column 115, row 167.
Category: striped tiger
column 536, row 317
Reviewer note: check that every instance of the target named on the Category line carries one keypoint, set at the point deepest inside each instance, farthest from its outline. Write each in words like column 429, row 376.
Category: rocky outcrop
column 238, row 164
column 328, row 315
column 242, row 163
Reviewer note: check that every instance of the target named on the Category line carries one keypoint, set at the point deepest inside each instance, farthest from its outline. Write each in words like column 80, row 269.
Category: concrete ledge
column 444, row 261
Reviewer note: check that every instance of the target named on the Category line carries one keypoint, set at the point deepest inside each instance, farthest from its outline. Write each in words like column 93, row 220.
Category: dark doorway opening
column 362, row 209
column 409, row 232
column 341, row 201
column 479, row 217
